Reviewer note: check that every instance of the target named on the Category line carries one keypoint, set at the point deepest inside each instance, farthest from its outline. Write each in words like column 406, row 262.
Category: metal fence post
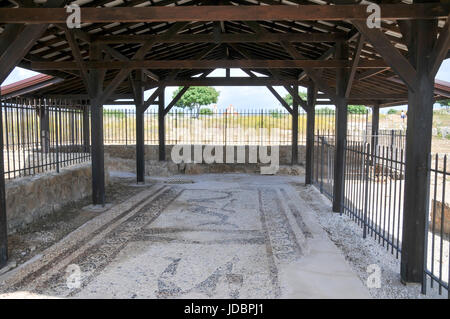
column 321, row 164
column 366, row 188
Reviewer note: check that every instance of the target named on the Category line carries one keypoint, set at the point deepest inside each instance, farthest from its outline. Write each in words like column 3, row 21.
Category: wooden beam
column 138, row 90
column 119, row 56
column 15, row 43
column 222, row 38
column 369, row 73
column 313, row 74
column 294, row 142
column 310, row 122
column 175, row 99
column 161, row 125
column 140, row 54
column 224, row 13
column 75, row 49
column 341, row 130
column 209, row 64
column 355, row 61
column 280, row 99
column 324, row 56
column 97, row 149
column 232, row 81
column 152, row 97
column 296, row 97
column 389, row 53
column 440, row 49
column 418, row 148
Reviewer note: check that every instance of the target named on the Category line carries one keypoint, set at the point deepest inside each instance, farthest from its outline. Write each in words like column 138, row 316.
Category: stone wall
column 31, row 197
column 437, row 216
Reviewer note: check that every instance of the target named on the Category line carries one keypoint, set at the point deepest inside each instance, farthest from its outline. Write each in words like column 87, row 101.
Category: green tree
column 445, row 103
column 325, row 110
column 392, row 111
column 357, row 109
column 206, row 111
column 288, row 97
column 196, row 97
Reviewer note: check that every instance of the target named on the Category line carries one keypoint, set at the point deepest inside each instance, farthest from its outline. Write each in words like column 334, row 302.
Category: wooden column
column 375, row 125
column 3, row 221
column 140, row 109
column 161, row 127
column 86, row 136
column 340, row 128
column 418, row 148
column 311, row 117
column 97, row 152
column 294, row 128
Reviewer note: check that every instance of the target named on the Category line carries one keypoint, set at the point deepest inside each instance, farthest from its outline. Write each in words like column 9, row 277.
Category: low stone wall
column 437, row 217
column 29, row 198
column 123, row 158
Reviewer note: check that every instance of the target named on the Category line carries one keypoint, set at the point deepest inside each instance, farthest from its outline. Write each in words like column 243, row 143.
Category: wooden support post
column 97, row 153
column 311, row 117
column 86, row 136
column 294, row 128
column 161, row 127
column 375, row 125
column 418, row 148
column 138, row 87
column 98, row 165
column 3, row 221
column 340, row 130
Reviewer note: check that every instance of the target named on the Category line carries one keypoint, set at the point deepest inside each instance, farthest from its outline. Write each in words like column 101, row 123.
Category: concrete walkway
column 203, row 236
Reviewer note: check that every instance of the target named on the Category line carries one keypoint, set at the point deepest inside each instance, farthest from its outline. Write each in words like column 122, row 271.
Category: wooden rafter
column 355, row 61
column 391, row 55
column 224, row 13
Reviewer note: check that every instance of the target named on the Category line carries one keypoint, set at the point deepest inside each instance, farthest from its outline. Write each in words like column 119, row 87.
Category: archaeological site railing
column 373, row 198
column 242, row 127
column 43, row 135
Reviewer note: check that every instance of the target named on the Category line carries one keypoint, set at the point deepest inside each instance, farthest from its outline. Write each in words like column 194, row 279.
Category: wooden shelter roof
column 226, row 42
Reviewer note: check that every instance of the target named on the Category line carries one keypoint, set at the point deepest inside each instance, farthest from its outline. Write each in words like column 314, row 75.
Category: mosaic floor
column 222, row 236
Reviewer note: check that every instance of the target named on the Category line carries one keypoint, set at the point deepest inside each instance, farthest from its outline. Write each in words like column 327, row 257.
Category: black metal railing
column 437, row 264
column 323, row 166
column 373, row 198
column 391, row 138
column 42, row 135
column 243, row 127
column 373, row 191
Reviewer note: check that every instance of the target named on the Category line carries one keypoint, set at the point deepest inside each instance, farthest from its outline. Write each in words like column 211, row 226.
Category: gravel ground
column 31, row 240
column 360, row 252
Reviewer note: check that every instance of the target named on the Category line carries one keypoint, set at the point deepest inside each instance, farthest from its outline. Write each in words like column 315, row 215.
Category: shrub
column 114, row 113
column 357, row 109
column 392, row 111
column 206, row 111
column 275, row 113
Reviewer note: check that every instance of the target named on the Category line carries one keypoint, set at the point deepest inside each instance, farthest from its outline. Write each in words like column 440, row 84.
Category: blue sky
column 243, row 98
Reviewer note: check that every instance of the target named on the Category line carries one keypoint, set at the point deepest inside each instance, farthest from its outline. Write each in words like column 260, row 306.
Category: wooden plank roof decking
column 312, row 37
